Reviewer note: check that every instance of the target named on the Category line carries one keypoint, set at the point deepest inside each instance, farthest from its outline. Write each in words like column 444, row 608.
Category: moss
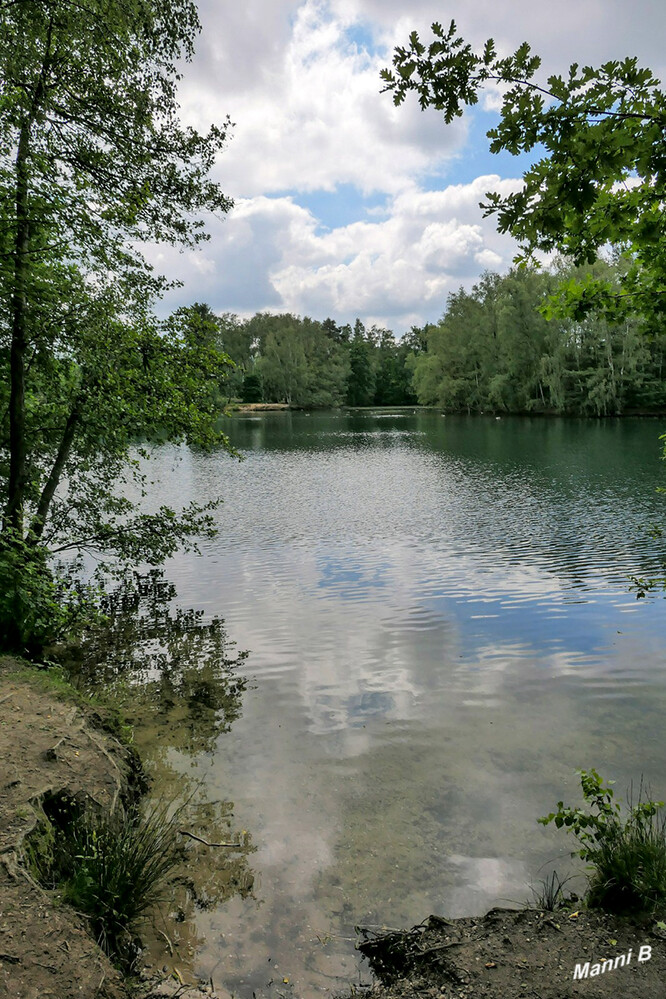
column 39, row 849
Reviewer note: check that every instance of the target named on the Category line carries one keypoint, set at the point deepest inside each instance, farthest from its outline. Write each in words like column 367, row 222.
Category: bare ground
column 47, row 747
column 528, row 953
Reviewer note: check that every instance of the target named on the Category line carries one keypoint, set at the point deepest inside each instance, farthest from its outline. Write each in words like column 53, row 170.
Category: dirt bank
column 261, row 407
column 47, row 748
column 528, row 953
column 50, row 747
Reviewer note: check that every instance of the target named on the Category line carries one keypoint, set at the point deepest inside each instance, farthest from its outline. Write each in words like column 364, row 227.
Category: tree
column 106, row 385
column 361, row 380
column 251, row 390
column 300, row 362
column 461, row 358
column 493, row 349
column 235, row 339
column 283, row 365
column 521, row 332
column 602, row 179
column 416, row 339
column 93, row 161
column 204, row 330
column 340, row 334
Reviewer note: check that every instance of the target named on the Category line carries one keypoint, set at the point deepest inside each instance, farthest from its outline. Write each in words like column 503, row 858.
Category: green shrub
column 112, row 868
column 626, row 853
column 27, row 595
column 38, row 604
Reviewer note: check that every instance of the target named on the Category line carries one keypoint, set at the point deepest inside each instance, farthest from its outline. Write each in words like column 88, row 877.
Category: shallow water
column 440, row 630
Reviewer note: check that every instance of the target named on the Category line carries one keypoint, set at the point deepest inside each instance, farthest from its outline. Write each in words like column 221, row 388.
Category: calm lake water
column 440, row 630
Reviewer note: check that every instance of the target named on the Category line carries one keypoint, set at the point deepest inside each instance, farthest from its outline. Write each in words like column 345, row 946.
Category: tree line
column 305, row 362
column 495, row 349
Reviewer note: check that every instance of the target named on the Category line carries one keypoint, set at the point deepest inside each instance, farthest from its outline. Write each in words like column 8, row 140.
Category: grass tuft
column 630, row 866
column 550, row 896
column 112, row 868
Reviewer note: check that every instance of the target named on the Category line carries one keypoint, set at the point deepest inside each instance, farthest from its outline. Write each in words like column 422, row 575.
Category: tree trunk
column 51, row 484
column 17, row 444
column 13, row 519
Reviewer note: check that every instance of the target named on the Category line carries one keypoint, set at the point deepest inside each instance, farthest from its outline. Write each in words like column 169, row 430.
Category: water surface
column 440, row 630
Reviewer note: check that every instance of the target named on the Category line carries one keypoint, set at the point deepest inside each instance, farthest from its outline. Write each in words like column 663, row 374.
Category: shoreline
column 511, row 953
column 57, row 747
column 59, row 744
column 284, row 407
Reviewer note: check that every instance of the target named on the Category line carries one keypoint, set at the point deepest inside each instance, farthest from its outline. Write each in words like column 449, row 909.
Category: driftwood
column 184, row 832
column 398, row 952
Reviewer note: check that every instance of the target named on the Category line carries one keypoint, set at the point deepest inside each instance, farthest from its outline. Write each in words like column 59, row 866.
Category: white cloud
column 489, row 260
column 304, row 89
column 314, row 117
column 395, row 270
column 402, row 266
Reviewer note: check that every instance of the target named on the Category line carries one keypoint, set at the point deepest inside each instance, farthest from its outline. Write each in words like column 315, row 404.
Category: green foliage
column 111, row 868
column 627, row 854
column 311, row 364
column 494, row 350
column 283, row 365
column 251, row 390
column 36, row 606
column 600, row 179
column 93, row 161
column 90, row 128
column 393, row 379
column 361, row 382
column 112, row 384
column 588, row 827
column 27, row 595
column 298, row 362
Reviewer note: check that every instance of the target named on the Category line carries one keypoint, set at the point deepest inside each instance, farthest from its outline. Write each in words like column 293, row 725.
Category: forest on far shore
column 493, row 350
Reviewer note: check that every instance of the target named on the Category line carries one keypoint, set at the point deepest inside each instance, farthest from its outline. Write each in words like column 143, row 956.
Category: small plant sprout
column 550, row 896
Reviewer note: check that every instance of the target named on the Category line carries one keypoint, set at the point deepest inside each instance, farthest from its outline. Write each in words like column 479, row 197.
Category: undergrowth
column 111, row 868
column 625, row 851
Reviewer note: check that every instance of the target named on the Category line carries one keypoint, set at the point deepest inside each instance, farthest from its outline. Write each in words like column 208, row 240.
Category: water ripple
column 440, row 629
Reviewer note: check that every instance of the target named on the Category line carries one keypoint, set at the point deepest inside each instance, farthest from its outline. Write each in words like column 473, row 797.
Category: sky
column 346, row 206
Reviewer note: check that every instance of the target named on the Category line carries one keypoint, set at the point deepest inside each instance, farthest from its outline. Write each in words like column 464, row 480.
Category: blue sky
column 346, row 206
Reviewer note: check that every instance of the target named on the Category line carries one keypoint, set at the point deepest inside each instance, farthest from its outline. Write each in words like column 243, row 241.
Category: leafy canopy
column 89, row 124
column 602, row 178
column 93, row 162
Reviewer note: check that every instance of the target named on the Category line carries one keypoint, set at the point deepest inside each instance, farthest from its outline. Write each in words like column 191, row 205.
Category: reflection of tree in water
column 207, row 878
column 175, row 676
column 163, row 662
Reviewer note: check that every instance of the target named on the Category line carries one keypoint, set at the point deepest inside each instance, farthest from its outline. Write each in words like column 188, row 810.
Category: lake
column 440, row 629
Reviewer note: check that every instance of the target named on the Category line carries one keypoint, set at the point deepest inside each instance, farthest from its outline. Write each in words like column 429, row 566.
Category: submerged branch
column 184, row 832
